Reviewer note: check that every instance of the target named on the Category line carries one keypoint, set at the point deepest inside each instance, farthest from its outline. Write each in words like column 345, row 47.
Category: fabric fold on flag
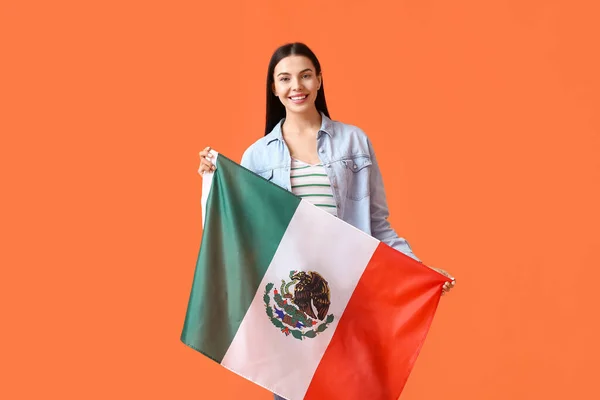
column 300, row 302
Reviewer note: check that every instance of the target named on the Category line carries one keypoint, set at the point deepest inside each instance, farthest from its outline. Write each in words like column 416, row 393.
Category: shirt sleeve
column 247, row 160
column 380, row 226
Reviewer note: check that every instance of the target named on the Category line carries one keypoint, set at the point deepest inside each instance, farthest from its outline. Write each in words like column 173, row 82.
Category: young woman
column 326, row 162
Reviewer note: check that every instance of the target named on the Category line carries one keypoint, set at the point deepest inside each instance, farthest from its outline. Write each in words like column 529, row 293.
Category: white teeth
column 298, row 98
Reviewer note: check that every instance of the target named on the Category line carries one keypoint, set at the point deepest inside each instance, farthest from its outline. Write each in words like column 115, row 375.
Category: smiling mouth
column 296, row 98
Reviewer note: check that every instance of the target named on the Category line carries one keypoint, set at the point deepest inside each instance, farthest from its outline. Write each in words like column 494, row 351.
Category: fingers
column 205, row 152
column 448, row 286
column 206, row 164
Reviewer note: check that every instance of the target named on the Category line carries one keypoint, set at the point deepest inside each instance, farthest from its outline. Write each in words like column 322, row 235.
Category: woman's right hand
column 205, row 161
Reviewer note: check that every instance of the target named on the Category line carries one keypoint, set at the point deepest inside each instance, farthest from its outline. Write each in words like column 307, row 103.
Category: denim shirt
column 348, row 158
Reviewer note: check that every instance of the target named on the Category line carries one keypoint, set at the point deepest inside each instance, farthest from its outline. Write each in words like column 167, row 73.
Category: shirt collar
column 326, row 127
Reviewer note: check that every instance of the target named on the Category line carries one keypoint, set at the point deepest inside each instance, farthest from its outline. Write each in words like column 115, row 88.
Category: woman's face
column 296, row 83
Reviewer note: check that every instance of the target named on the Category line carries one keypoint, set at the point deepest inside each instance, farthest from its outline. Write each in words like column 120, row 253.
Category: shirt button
column 321, row 150
column 328, row 165
column 355, row 166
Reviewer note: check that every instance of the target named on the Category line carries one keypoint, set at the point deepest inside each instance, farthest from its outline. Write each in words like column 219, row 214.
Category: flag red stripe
column 381, row 331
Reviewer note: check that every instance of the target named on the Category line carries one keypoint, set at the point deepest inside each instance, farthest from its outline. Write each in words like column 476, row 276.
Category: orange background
column 485, row 118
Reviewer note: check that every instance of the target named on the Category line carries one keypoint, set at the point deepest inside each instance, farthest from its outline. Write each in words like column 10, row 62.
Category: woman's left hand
column 448, row 285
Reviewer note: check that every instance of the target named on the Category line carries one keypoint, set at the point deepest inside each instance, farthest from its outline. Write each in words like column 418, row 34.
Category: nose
column 296, row 86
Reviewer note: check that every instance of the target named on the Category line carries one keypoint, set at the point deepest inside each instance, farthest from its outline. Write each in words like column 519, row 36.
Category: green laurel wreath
column 296, row 316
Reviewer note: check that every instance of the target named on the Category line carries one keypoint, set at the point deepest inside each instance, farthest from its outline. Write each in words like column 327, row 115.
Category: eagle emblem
column 301, row 305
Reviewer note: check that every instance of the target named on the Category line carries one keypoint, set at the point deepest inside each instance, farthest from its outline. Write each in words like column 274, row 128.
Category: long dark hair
column 275, row 109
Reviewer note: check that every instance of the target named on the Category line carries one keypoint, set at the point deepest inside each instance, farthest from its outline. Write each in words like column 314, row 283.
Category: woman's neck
column 300, row 124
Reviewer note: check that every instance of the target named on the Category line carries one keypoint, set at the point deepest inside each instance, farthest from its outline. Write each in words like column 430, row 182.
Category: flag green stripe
column 239, row 241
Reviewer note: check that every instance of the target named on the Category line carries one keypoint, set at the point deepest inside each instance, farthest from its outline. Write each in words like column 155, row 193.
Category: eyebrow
column 287, row 73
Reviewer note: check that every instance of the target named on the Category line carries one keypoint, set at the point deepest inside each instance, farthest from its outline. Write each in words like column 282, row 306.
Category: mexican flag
column 300, row 302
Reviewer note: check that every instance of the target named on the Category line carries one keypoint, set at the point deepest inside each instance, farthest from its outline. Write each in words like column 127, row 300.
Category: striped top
column 310, row 182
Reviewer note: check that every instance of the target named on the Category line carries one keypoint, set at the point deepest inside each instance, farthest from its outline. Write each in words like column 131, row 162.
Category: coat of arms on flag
column 294, row 312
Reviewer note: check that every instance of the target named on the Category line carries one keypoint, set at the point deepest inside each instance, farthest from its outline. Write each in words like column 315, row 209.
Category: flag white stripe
column 260, row 351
